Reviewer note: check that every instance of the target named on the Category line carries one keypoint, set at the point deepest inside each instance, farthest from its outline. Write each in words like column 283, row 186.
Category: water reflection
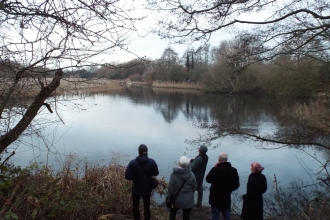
column 163, row 120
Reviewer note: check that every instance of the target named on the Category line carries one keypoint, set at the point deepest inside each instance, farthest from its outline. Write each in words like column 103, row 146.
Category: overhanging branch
column 31, row 112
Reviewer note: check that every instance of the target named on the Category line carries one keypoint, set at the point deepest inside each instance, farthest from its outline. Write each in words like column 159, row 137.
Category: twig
column 12, row 154
column 9, row 201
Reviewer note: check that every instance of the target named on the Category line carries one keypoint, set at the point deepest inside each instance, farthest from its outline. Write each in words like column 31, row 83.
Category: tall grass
column 78, row 86
column 28, row 89
column 176, row 85
column 77, row 191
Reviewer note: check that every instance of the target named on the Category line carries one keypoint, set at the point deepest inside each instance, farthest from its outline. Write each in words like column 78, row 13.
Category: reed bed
column 176, row 85
column 75, row 192
column 79, row 86
column 31, row 88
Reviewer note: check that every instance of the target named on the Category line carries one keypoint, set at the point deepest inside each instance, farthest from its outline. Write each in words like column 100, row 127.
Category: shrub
column 299, row 201
column 38, row 192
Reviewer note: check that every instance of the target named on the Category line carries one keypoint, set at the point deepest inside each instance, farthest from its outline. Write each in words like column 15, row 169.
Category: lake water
column 99, row 126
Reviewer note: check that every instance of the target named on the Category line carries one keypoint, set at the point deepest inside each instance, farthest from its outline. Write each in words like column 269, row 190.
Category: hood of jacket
column 182, row 173
column 142, row 159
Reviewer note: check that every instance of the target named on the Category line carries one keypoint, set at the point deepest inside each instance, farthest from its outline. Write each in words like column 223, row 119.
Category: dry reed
column 29, row 89
column 89, row 86
column 175, row 85
column 73, row 192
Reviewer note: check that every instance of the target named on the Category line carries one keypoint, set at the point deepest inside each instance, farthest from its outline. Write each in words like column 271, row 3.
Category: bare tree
column 169, row 58
column 40, row 40
column 276, row 23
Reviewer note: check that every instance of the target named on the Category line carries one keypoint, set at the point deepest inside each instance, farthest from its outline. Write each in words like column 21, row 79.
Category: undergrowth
column 38, row 192
column 84, row 191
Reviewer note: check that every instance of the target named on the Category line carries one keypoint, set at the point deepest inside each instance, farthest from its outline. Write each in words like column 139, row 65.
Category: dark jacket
column 185, row 198
column 252, row 200
column 198, row 167
column 224, row 179
column 134, row 171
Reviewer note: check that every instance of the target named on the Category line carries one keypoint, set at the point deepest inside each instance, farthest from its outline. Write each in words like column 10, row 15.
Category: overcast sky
column 152, row 46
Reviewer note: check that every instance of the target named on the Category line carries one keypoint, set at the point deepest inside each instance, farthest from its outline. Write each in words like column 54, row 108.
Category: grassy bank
column 77, row 191
column 83, row 191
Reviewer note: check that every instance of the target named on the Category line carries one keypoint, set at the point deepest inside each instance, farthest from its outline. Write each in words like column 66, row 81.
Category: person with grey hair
column 224, row 180
column 198, row 167
column 185, row 198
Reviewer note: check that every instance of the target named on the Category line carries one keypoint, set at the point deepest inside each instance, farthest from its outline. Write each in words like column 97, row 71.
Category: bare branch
column 30, row 113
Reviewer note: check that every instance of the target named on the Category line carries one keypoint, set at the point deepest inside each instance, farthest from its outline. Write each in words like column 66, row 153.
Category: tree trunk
column 31, row 112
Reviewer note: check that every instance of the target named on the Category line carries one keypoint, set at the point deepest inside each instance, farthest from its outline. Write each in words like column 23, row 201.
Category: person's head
column 256, row 167
column 202, row 149
column 223, row 157
column 184, row 162
column 143, row 150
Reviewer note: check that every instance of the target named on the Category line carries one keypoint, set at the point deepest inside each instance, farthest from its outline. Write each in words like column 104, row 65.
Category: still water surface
column 105, row 124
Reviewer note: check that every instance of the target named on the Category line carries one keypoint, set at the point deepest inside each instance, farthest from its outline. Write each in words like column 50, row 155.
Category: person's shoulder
column 234, row 171
column 151, row 160
column 231, row 167
column 132, row 162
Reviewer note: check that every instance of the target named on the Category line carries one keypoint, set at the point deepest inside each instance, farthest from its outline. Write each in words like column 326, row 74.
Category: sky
column 152, row 46
column 149, row 46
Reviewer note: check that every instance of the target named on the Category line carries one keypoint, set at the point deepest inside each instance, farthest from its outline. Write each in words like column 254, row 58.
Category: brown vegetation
column 77, row 86
column 77, row 191
column 84, row 191
column 73, row 86
column 176, row 85
column 314, row 114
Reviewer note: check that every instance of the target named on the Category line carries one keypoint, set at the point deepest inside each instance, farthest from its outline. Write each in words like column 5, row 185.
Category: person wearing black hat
column 140, row 170
column 198, row 167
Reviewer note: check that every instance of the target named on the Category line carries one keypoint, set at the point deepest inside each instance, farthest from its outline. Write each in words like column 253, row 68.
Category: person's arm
column 129, row 172
column 155, row 170
column 170, row 186
column 195, row 164
column 250, row 190
column 209, row 176
column 194, row 182
column 235, row 180
column 255, row 187
column 264, row 185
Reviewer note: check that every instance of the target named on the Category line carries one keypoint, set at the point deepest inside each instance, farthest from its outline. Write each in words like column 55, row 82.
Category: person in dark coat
column 224, row 180
column 252, row 200
column 198, row 167
column 185, row 198
column 140, row 171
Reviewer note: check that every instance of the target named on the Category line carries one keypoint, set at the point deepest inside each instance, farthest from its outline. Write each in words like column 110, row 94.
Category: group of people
column 188, row 177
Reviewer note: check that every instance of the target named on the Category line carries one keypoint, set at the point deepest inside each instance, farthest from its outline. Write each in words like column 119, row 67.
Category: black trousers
column 146, row 206
column 185, row 212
